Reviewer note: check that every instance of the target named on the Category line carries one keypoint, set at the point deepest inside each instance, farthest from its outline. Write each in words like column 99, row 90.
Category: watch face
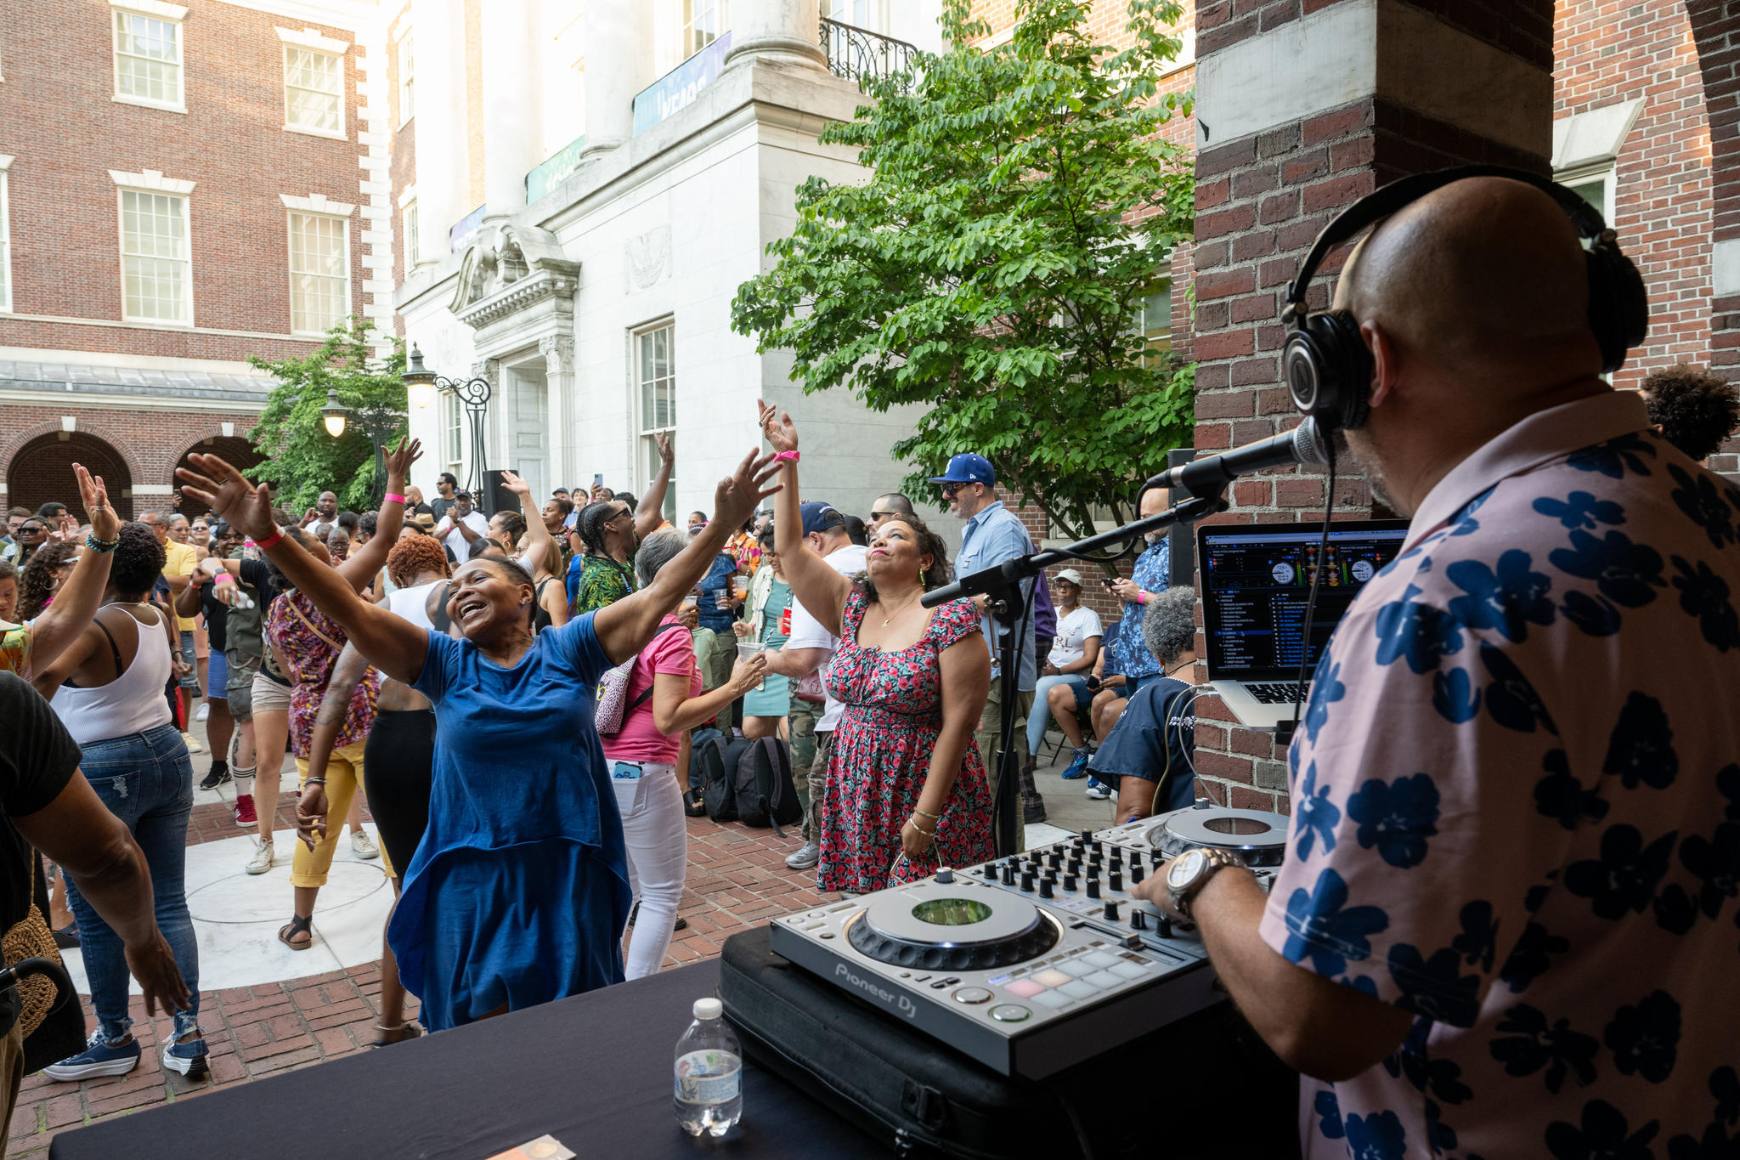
column 1184, row 868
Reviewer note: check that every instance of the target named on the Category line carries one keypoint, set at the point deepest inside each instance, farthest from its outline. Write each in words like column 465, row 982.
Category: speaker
column 495, row 497
column 1180, row 539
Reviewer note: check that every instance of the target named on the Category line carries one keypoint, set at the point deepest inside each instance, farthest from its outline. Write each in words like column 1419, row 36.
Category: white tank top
column 131, row 703
column 412, row 604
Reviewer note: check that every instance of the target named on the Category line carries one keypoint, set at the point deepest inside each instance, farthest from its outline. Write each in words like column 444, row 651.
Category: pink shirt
column 671, row 652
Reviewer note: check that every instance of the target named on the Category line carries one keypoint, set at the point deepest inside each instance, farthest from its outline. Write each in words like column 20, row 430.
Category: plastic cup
column 747, row 649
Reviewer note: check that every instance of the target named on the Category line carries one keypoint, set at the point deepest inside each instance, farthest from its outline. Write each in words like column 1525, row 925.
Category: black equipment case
column 1202, row 1087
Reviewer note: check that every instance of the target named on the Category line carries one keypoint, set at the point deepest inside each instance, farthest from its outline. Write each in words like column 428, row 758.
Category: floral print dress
column 881, row 756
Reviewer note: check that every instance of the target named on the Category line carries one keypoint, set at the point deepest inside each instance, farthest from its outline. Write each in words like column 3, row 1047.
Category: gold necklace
column 889, row 616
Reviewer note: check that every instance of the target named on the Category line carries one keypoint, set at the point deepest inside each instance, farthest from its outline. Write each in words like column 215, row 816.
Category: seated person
column 1147, row 756
column 1062, row 691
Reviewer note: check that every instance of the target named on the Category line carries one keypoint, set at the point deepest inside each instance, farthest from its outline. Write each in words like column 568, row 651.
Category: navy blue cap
column 820, row 516
column 968, row 468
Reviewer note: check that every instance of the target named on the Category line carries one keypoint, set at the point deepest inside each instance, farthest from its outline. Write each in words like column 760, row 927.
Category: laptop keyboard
column 1276, row 692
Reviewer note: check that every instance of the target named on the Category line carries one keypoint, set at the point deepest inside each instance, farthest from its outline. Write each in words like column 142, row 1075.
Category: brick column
column 1716, row 29
column 1304, row 106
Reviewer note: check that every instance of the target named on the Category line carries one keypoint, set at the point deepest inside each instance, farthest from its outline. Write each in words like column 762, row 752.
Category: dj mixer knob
column 1138, row 919
column 1112, row 909
column 1093, row 887
column 1045, row 890
column 1115, row 880
column 1008, row 875
column 1027, row 882
column 989, row 869
column 1136, row 871
column 1117, row 856
column 1069, row 881
column 1165, row 927
column 1087, row 837
column 945, row 876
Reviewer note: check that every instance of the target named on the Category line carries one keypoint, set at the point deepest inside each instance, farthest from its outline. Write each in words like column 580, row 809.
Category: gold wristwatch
column 1190, row 871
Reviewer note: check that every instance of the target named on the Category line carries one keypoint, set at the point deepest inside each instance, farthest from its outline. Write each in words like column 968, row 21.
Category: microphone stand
column 1007, row 602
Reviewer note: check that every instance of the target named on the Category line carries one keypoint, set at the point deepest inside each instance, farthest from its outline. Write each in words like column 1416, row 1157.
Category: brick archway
column 41, row 471
column 234, row 448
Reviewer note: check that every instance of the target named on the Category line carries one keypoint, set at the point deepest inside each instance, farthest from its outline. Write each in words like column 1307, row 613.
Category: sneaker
column 203, row 712
column 246, row 818
column 805, row 857
column 99, row 1058
column 1077, row 767
column 262, row 858
column 193, row 745
column 219, row 774
column 1032, row 809
column 364, row 846
column 187, row 1058
column 1098, row 790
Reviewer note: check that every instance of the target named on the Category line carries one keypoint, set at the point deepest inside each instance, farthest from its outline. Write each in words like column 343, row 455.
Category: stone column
column 510, row 106
column 618, row 65
column 559, row 378
column 1298, row 117
column 782, row 30
column 439, row 125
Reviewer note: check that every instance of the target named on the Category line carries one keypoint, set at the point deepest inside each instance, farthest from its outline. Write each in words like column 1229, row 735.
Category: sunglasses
column 950, row 490
column 32, row 528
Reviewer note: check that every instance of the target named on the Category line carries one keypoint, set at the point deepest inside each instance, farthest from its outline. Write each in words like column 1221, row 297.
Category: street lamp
column 378, row 422
column 423, row 385
column 335, row 415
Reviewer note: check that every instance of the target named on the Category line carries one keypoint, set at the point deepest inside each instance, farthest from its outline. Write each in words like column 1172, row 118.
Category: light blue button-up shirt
column 989, row 538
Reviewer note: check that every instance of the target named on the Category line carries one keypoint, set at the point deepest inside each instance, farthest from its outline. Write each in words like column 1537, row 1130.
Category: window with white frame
column 156, row 257
column 319, row 271
column 408, row 224
column 452, row 431
column 703, row 23
column 147, row 44
column 1594, row 184
column 5, row 237
column 407, row 95
column 1154, row 320
column 655, row 371
column 313, row 90
column 870, row 14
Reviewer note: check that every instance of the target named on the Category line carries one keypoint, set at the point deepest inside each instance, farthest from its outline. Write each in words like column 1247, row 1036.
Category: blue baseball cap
column 968, row 468
column 819, row 516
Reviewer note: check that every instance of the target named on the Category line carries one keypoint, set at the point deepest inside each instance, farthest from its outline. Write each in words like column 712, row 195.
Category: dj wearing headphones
column 1506, row 925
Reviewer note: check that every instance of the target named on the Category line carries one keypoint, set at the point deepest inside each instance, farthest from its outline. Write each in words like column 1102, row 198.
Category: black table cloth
column 594, row 1071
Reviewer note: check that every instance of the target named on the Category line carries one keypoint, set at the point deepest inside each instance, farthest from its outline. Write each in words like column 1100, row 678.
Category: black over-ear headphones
column 1326, row 363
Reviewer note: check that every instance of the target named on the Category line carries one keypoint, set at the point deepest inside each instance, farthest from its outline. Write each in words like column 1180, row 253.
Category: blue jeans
column 1039, row 719
column 146, row 780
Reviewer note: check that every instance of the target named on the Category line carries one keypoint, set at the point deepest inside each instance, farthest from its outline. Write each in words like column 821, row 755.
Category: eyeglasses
column 950, row 490
column 38, row 528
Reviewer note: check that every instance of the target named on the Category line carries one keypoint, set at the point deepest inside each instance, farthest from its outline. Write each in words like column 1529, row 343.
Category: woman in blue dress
column 519, row 891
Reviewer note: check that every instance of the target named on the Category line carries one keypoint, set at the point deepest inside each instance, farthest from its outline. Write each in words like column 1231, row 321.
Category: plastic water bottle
column 709, row 1073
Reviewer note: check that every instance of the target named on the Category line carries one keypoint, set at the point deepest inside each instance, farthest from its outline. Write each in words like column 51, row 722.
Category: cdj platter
column 1033, row 962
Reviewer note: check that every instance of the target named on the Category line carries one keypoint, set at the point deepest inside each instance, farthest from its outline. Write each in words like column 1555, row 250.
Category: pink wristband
column 1141, row 596
column 392, row 497
column 785, row 457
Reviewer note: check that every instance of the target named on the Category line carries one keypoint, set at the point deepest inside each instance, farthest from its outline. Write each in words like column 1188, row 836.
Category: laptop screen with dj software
column 1256, row 579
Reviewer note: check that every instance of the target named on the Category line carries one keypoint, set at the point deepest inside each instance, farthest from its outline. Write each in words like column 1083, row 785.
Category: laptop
column 1256, row 579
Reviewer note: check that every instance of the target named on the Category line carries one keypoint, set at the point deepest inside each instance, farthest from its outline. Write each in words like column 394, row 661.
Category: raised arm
column 624, row 627
column 651, row 512
column 77, row 601
column 821, row 590
column 391, row 643
column 537, row 542
column 360, row 568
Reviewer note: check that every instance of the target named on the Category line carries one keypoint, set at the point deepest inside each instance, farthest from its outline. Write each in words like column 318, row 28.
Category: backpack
column 613, row 706
column 707, row 766
column 764, row 791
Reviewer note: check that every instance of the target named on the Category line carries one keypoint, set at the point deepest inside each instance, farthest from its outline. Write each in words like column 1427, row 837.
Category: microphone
column 1304, row 444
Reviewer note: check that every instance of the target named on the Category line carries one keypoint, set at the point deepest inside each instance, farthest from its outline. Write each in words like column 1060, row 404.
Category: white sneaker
column 262, row 858
column 804, row 857
column 193, row 745
column 203, row 712
column 363, row 845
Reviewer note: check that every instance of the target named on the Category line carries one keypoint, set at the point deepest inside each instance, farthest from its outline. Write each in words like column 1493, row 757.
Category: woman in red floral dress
column 905, row 790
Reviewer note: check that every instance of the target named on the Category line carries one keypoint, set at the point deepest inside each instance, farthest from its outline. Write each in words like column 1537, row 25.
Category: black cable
column 1311, row 600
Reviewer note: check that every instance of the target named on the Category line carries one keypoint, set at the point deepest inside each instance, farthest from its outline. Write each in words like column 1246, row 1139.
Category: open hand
column 667, row 453
column 216, row 483
column 105, row 524
column 400, row 458
column 515, row 484
column 153, row 964
column 311, row 814
column 777, row 427
column 736, row 497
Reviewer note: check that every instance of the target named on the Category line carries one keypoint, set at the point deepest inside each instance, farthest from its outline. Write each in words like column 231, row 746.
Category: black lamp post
column 378, row 423
column 422, row 384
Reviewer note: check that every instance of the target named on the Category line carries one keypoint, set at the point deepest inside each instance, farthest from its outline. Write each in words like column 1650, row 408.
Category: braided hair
column 590, row 525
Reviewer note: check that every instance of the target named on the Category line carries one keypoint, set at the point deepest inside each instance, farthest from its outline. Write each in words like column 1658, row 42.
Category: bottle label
column 709, row 1077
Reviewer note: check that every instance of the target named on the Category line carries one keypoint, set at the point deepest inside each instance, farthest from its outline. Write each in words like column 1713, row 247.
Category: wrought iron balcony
column 857, row 53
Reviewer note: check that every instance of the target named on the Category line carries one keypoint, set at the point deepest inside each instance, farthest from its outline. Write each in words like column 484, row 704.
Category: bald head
column 1485, row 275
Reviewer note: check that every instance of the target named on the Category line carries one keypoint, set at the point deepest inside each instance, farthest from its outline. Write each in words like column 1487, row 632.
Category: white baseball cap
column 1071, row 575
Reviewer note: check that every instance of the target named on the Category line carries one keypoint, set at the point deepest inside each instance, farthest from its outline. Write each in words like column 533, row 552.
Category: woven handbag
column 31, row 938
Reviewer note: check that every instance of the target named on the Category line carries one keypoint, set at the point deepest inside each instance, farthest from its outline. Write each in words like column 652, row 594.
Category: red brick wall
column 1716, row 31
column 58, row 119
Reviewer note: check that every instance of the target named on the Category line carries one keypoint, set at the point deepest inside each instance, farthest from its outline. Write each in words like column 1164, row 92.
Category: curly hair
column 929, row 544
column 1696, row 410
column 1169, row 625
column 36, row 584
column 138, row 560
column 414, row 555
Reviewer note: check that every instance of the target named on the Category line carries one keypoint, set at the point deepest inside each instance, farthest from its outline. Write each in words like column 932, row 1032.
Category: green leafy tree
column 1019, row 206
column 302, row 460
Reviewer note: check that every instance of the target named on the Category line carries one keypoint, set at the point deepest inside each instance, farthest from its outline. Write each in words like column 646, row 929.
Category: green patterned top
column 603, row 581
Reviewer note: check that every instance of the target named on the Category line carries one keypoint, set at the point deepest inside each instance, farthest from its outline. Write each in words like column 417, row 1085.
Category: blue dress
column 519, row 891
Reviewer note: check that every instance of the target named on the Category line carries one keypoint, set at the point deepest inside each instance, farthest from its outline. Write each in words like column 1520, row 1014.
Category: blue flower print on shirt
column 1506, row 599
column 1641, row 746
column 1463, row 522
column 1511, row 698
column 1716, row 864
column 1698, row 497
column 1454, row 696
column 1603, row 1134
column 1705, row 595
column 1595, row 615
column 1623, row 879
column 1326, row 689
column 1396, row 817
column 1479, row 938
column 1322, row 930
column 1435, row 987
column 1318, row 817
column 1328, row 1115
column 1645, row 1038
column 1418, row 633
column 1581, row 509
column 1560, row 796
column 1379, row 1136
column 1531, row 957
column 1626, row 572
column 1528, row 1042
column 1615, row 457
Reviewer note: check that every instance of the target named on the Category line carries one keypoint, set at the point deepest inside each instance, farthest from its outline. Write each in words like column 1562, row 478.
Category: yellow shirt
column 181, row 560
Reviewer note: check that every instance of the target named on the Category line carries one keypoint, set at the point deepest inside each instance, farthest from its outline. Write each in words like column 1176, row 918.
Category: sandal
column 400, row 1034
column 297, row 926
column 67, row 937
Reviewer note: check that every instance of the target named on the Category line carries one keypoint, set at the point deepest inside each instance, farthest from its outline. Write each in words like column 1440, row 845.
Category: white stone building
column 589, row 184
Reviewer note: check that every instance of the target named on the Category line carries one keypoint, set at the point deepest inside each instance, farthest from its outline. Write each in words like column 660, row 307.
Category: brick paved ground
column 737, row 879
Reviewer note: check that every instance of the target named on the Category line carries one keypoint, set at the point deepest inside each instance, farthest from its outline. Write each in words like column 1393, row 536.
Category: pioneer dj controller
column 1037, row 961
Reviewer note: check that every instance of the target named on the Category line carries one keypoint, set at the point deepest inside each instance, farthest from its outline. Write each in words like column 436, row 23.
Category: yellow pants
column 344, row 780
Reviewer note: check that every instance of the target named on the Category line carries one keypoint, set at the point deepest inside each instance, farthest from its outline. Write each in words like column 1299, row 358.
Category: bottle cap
column 708, row 1008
